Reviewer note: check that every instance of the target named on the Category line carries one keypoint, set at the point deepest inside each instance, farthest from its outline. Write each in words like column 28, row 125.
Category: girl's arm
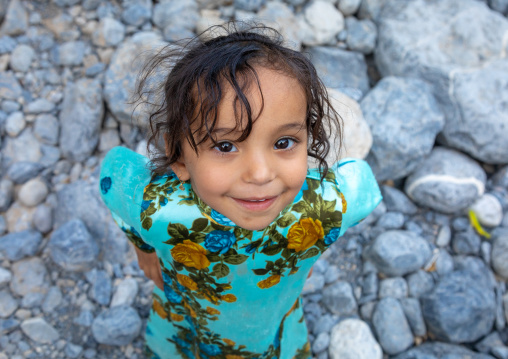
column 149, row 264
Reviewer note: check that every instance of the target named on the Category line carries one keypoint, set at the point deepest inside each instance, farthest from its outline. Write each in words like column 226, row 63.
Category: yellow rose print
column 304, row 234
column 210, row 297
column 176, row 317
column 228, row 341
column 233, row 356
column 190, row 254
column 186, row 281
column 191, row 311
column 159, row 309
column 344, row 203
column 212, row 311
column 269, row 282
column 230, row 298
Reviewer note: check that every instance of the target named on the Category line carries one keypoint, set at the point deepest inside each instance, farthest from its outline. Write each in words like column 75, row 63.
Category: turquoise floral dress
column 230, row 292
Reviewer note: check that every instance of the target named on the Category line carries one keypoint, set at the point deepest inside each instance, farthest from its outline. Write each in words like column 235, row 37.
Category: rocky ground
column 423, row 89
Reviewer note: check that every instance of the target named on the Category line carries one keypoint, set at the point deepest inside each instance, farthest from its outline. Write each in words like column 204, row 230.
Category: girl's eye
column 225, row 147
column 284, row 143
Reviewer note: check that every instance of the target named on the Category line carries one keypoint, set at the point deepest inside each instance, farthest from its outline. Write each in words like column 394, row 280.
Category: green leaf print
column 286, row 220
column 272, row 250
column 311, row 252
column 147, row 223
column 235, row 258
column 220, row 270
column 260, row 271
column 199, row 224
column 177, row 230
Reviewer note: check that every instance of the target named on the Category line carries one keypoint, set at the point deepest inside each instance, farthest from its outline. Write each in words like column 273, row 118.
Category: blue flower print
column 181, row 287
column 192, row 327
column 105, row 184
column 163, row 201
column 172, row 296
column 221, row 219
column 181, row 343
column 299, row 196
column 276, row 340
column 145, row 205
column 219, row 241
column 167, row 279
column 210, row 349
column 188, row 353
column 251, row 248
column 332, row 236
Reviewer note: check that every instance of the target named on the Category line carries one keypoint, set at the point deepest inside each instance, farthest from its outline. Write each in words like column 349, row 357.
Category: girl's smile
column 252, row 181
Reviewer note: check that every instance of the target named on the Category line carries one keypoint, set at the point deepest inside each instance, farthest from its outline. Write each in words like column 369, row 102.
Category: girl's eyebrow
column 284, row 127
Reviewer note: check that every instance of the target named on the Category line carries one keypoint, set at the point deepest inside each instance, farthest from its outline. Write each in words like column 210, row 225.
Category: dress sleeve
column 124, row 175
column 360, row 189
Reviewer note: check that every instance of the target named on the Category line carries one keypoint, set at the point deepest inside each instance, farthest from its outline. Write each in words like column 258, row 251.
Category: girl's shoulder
column 357, row 187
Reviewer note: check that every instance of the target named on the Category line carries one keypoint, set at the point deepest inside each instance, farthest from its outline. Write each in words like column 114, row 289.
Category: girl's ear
column 181, row 170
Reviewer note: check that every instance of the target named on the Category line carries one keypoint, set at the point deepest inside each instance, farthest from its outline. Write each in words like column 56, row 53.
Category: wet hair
column 193, row 85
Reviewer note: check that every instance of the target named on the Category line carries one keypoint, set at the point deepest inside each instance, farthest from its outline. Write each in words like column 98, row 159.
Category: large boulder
column 437, row 350
column 120, row 77
column 81, row 119
column 405, row 119
column 447, row 181
column 455, row 45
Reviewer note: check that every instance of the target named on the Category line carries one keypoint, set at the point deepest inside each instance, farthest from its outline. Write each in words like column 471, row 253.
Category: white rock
column 109, row 33
column 349, row 7
column 125, row 292
column 5, row 276
column 279, row 16
column 19, row 217
column 352, row 339
column 488, row 210
column 15, row 123
column 33, row 192
column 21, row 58
column 39, row 330
column 325, row 20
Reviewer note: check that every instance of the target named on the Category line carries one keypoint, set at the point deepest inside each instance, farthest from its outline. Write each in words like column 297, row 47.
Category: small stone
column 69, row 54
column 352, row 338
column 485, row 250
column 101, row 286
column 21, row 58
column 15, row 123
column 321, row 343
column 324, row 20
column 39, row 330
column 499, row 252
column 40, row 105
column 10, row 88
column 398, row 252
column 391, row 220
column 47, row 129
column 393, row 287
column 16, row 19
column 137, row 13
column 110, row 32
column 414, row 316
column 95, row 69
column 109, row 138
column 444, row 263
column 125, row 293
column 7, row 44
column 8, row 304
column 84, row 319
column 466, row 242
column 116, row 326
column 332, row 274
column 29, row 276
column 349, row 7
column 72, row 247
column 488, row 210
column 52, row 300
column 324, row 323
column 392, row 328
column 314, row 283
column 43, row 218
column 396, row 201
column 19, row 245
column 361, row 35
column 179, row 13
column 339, row 298
column 6, row 190
column 32, row 300
column 20, row 172
column 490, row 341
column 73, row 350
column 33, row 192
column 5, row 276
column 420, row 283
column 444, row 236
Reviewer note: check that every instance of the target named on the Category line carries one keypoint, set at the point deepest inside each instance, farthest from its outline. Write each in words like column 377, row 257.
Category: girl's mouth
column 256, row 204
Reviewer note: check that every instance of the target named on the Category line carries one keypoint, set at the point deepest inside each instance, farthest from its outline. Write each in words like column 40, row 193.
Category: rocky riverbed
column 423, row 90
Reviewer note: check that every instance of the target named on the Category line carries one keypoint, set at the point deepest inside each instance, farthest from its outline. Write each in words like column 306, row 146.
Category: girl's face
column 252, row 181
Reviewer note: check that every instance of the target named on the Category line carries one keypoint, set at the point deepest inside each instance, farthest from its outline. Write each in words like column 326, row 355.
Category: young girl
column 228, row 220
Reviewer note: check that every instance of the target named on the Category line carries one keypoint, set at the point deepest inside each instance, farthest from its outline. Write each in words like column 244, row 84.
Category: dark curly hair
column 192, row 86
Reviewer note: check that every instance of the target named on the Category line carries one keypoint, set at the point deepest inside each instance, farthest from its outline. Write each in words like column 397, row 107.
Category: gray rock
column 499, row 5
column 352, row 338
column 21, row 58
column 282, row 18
column 349, row 7
column 125, row 293
column 95, row 69
column 500, row 318
column 444, row 263
column 120, row 77
column 371, row 9
column 361, row 35
column 16, row 19
column 43, row 218
column 466, row 242
column 109, row 32
column 366, row 310
column 116, row 326
column 396, row 201
column 137, row 13
column 50, row 155
column 84, row 319
column 15, row 123
column 249, row 5
column 32, row 300
column 82, row 200
column 69, row 54
column 321, row 343
column 314, row 283
column 500, row 352
column 391, row 220
column 25, row 147
column 109, row 138
column 20, row 244
column 5, row 277
column 459, row 71
column 500, row 178
column 6, row 190
column 339, row 298
column 33, row 192
column 73, row 350
column 29, row 276
column 20, row 172
column 370, row 284
column 444, row 236
column 176, row 13
column 392, row 329
column 101, row 286
column 420, row 283
column 46, row 129
column 320, row 22
column 52, row 300
column 72, row 247
column 437, row 350
column 39, row 330
column 3, row 225
column 324, row 323
column 398, row 252
column 10, row 88
column 404, row 106
column 332, row 274
column 414, row 316
column 490, row 341
column 7, row 44
column 485, row 250
column 8, row 304
column 342, row 70
column 447, row 181
column 10, row 106
column 476, row 269
column 81, row 118
column 466, row 322
column 393, row 287
column 173, row 33
column 500, row 251
column 488, row 210
column 40, row 105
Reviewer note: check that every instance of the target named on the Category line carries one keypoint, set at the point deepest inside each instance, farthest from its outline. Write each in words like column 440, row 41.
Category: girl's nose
column 258, row 169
